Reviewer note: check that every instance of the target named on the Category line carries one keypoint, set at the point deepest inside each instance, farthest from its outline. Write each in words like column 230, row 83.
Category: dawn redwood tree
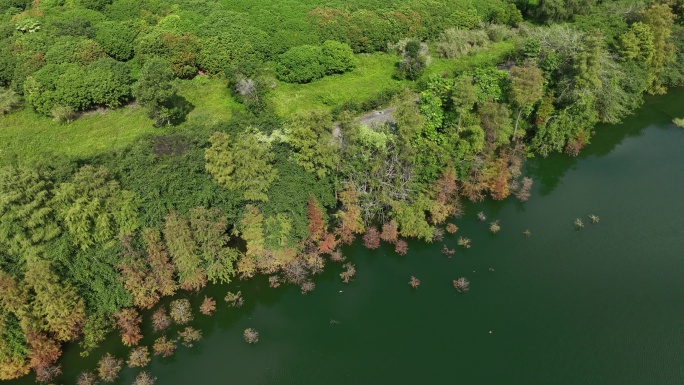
column 371, row 239
column 316, row 220
column 162, row 270
column 108, row 368
column 527, row 88
column 183, row 250
column 241, row 163
column 128, row 322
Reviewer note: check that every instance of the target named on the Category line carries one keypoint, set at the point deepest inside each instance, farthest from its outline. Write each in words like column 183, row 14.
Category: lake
column 599, row 305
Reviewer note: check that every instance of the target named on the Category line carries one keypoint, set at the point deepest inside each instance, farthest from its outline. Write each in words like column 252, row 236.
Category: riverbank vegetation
column 156, row 147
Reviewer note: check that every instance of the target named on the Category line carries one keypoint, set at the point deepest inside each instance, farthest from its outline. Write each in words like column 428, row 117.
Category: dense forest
column 475, row 88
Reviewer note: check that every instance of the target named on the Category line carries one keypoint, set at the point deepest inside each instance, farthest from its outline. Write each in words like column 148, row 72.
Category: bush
column 455, row 42
column 63, row 114
column 307, row 63
column 301, row 64
column 9, row 100
column 337, row 57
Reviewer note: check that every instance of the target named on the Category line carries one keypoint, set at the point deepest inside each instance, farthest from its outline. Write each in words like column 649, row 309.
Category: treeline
column 84, row 243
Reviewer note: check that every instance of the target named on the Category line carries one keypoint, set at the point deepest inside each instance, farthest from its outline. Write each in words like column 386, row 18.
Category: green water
column 601, row 305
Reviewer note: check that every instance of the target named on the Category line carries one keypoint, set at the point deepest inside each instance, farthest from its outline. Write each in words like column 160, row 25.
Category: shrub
column 63, row 114
column 301, row 64
column 456, row 42
column 9, row 100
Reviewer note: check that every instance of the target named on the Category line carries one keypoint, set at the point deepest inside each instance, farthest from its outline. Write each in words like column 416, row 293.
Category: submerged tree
column 164, row 347
column 144, row 378
column 462, row 284
column 251, row 336
column 348, row 274
column 234, row 299
column 160, row 320
column 108, row 368
column 139, row 357
column 128, row 322
column 401, row 247
column 414, row 282
column 208, row 306
column 189, row 335
column 86, row 378
column 181, row 311
column 371, row 239
column 494, row 227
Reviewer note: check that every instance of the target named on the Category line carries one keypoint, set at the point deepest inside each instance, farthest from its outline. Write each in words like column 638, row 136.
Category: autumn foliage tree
column 161, row 269
column 350, row 221
column 371, row 239
column 390, row 231
column 108, row 368
column 139, row 357
column 128, row 322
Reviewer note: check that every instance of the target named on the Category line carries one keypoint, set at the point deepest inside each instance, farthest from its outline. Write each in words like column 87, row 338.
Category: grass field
column 30, row 136
column 372, row 76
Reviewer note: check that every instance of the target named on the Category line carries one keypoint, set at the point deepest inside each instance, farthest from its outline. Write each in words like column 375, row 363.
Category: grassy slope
column 31, row 135
column 373, row 74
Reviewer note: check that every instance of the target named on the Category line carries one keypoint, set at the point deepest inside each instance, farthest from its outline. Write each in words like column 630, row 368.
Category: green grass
column 30, row 136
column 372, row 76
column 490, row 56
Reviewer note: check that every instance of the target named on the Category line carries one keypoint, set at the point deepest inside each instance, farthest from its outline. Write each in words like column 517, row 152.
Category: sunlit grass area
column 31, row 136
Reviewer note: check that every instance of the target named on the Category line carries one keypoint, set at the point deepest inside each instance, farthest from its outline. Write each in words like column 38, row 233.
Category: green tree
column 312, row 138
column 464, row 96
column 94, row 208
column 337, row 58
column 210, row 231
column 243, row 164
column 117, row 38
column 56, row 306
column 184, row 252
column 660, row 19
column 155, row 90
column 27, row 218
column 527, row 87
column 301, row 64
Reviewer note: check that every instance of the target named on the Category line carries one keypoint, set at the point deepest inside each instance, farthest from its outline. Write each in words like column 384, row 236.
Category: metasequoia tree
column 183, row 250
column 94, row 208
column 527, row 87
column 243, row 163
column 128, row 322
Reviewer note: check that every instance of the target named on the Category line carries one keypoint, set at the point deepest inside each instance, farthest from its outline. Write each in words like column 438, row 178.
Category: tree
column 128, row 322
column 301, row 64
column 27, row 218
column 56, row 306
column 660, row 19
column 164, row 347
column 162, row 271
column 139, row 357
column 117, row 38
column 210, row 231
column 144, row 378
column 464, row 96
column 311, row 136
column 316, row 220
column 94, row 208
column 183, row 250
column 243, row 164
column 527, row 82
column 155, row 91
column 108, row 368
column 496, row 123
column 415, row 58
column 337, row 58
